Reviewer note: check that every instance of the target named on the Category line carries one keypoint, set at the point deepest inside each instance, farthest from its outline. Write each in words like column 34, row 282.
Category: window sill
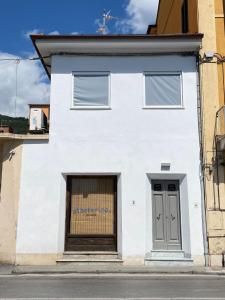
column 163, row 107
column 91, row 108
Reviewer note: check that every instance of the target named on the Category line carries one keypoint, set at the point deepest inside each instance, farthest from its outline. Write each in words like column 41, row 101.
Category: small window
column 91, row 90
column 171, row 187
column 157, row 187
column 163, row 90
column 185, row 25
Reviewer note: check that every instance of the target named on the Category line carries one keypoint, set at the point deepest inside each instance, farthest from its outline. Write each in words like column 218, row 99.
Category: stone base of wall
column 216, row 250
column 133, row 260
column 36, row 259
column 216, row 260
column 199, row 260
column 7, row 258
column 50, row 259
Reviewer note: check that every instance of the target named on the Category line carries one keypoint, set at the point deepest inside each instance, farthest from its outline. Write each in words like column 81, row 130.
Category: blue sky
column 18, row 18
column 65, row 16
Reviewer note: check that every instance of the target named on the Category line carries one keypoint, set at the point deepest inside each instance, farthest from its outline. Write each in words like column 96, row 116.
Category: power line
column 23, row 59
column 17, row 62
column 16, row 87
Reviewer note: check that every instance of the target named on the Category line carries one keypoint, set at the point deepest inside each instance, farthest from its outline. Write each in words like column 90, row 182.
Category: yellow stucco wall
column 169, row 19
column 220, row 40
column 9, row 198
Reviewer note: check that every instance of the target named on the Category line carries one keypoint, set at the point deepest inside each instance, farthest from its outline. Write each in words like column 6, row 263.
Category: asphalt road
column 151, row 287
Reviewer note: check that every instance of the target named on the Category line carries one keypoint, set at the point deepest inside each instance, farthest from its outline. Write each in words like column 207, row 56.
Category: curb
column 7, row 270
column 113, row 272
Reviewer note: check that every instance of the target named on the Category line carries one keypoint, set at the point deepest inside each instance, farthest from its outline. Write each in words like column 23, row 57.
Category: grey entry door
column 166, row 215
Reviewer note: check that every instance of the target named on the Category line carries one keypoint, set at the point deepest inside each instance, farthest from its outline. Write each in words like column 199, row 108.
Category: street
column 113, row 287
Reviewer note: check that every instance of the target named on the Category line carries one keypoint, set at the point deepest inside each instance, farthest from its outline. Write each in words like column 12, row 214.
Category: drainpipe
column 202, row 176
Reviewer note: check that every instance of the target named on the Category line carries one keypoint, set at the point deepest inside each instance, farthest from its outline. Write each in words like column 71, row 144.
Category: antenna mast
column 106, row 17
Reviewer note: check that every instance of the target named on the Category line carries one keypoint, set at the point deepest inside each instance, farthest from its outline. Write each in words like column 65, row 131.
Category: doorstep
column 173, row 258
column 89, row 257
column 167, row 254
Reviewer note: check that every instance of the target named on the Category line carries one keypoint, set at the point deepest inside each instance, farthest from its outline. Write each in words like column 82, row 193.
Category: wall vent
column 165, row 166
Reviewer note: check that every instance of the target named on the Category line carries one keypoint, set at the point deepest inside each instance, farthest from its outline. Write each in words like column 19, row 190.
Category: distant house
column 117, row 180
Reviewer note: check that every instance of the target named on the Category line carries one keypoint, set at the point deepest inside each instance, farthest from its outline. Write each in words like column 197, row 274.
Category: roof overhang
column 49, row 45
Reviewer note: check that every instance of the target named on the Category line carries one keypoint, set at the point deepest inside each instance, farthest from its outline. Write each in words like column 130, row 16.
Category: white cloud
column 55, row 32
column 32, row 85
column 30, row 32
column 38, row 31
column 140, row 13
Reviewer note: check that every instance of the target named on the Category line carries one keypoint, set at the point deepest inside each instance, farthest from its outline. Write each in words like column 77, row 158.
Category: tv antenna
column 106, row 17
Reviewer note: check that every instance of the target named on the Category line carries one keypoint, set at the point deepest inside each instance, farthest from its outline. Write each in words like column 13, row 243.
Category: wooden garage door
column 91, row 214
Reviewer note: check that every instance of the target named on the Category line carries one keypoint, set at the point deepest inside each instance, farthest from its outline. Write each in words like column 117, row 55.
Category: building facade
column 206, row 16
column 118, row 176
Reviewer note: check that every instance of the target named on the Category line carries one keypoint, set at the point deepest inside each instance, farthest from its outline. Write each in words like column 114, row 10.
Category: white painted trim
column 91, row 107
column 181, row 106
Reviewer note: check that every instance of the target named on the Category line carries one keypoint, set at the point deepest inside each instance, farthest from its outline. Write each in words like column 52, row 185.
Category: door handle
column 158, row 218
column 172, row 217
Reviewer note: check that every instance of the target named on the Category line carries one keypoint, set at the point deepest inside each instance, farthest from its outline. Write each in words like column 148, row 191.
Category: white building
column 120, row 171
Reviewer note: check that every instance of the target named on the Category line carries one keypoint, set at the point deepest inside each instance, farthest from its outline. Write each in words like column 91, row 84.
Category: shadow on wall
column 121, row 64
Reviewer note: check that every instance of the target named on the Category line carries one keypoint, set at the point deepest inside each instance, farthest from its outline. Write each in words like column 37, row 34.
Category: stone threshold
column 89, row 257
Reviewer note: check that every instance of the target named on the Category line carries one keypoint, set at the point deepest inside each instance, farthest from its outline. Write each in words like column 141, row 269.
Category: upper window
column 185, row 25
column 91, row 90
column 163, row 90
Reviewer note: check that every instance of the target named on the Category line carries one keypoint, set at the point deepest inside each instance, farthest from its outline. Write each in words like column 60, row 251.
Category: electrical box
column 38, row 121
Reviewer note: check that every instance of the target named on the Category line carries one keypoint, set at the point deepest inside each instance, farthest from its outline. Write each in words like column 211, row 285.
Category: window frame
column 91, row 107
column 146, row 73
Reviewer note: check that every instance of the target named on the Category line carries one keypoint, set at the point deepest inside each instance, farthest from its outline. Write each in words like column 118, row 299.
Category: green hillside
column 19, row 125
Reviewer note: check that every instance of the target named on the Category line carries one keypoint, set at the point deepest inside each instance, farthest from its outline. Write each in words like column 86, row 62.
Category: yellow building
column 207, row 17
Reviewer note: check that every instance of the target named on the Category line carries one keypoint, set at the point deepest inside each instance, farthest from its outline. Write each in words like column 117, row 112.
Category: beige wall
column 220, row 40
column 212, row 100
column 38, row 259
column 10, row 178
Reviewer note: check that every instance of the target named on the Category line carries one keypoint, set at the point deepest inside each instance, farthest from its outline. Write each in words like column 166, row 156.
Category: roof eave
column 112, row 44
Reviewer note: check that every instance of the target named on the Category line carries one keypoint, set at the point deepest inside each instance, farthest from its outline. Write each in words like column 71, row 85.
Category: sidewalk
column 106, row 269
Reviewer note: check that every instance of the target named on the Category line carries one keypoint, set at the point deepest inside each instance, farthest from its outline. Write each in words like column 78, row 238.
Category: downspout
column 202, row 176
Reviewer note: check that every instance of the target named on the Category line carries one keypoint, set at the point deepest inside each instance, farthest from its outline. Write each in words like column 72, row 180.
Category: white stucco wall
column 126, row 140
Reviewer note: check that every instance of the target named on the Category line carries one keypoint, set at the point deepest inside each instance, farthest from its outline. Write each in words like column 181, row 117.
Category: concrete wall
column 126, row 140
column 10, row 184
